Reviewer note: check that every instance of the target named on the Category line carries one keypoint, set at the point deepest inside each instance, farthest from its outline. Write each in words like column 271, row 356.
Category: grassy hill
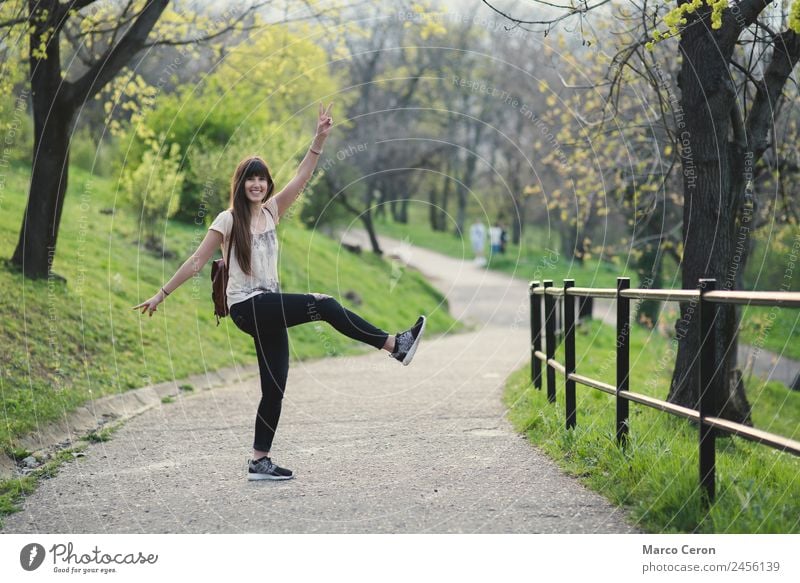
column 63, row 344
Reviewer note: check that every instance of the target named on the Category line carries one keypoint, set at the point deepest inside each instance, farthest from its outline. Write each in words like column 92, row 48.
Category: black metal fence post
column 623, row 358
column 550, row 338
column 569, row 352
column 707, row 405
column 536, row 336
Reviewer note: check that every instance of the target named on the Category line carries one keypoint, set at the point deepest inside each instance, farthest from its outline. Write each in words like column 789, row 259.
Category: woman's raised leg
column 287, row 310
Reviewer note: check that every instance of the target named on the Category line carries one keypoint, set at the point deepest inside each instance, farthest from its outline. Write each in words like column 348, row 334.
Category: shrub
column 90, row 155
column 153, row 189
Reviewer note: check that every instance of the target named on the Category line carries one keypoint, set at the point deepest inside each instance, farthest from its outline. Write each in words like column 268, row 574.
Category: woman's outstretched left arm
column 291, row 191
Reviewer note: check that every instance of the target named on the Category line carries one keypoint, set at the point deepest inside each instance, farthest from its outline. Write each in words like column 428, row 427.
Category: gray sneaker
column 264, row 469
column 406, row 343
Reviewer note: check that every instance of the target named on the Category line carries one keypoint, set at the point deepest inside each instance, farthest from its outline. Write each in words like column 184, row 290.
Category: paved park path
column 376, row 447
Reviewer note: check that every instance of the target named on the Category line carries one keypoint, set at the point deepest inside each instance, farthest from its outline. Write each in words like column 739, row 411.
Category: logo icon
column 31, row 556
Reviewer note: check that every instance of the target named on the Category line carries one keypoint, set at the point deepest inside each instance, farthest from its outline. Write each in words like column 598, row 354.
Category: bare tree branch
column 786, row 52
column 13, row 22
column 75, row 4
column 107, row 67
column 569, row 12
column 750, row 10
column 231, row 27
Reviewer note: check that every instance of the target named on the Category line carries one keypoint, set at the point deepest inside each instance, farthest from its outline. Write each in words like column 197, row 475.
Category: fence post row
column 550, row 339
column 569, row 353
column 536, row 336
column 707, row 405
column 623, row 358
column 705, row 370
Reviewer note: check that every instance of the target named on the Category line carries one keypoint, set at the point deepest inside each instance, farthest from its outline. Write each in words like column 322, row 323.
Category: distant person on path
column 257, row 305
column 496, row 238
column 503, row 238
column 477, row 234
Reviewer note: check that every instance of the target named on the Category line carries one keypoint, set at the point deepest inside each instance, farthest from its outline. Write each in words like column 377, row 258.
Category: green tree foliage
column 618, row 146
column 615, row 157
column 152, row 188
column 255, row 101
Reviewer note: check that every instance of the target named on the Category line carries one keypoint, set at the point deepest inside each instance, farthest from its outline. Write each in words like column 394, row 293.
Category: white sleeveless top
column 263, row 257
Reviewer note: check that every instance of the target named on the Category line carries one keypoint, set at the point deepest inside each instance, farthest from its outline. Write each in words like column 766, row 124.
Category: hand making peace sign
column 325, row 121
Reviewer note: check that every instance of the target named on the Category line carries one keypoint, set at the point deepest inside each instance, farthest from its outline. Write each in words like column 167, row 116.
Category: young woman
column 257, row 305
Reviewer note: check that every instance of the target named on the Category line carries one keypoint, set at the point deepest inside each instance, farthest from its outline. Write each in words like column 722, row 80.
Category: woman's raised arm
column 195, row 263
column 286, row 197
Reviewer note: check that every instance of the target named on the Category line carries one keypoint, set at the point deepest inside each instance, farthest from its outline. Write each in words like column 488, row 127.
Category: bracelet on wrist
column 163, row 291
column 313, row 151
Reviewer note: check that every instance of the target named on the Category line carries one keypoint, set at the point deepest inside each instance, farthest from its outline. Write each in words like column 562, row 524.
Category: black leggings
column 266, row 317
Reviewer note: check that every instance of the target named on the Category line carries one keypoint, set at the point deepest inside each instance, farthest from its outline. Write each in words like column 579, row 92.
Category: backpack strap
column 227, row 263
column 230, row 243
column 228, row 258
column 274, row 220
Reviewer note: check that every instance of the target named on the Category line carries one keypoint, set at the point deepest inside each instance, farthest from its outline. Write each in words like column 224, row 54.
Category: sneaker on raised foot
column 406, row 342
column 264, row 469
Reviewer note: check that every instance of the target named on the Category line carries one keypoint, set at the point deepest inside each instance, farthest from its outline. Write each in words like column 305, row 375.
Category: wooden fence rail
column 559, row 307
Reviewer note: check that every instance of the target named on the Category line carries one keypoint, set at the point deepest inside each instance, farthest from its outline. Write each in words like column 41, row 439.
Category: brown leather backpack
column 219, row 285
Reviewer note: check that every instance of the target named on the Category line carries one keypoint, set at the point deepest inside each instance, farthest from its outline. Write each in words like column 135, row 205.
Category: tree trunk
column 569, row 242
column 433, row 212
column 518, row 210
column 517, row 201
column 366, row 218
column 516, row 228
column 442, row 217
column 649, row 263
column 53, row 117
column 466, row 187
column 380, row 209
column 36, row 246
column 650, row 277
column 461, row 214
column 707, row 97
column 403, row 215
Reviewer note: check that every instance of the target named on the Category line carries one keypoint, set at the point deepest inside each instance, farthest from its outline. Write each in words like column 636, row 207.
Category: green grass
column 62, row 345
column 656, row 477
column 774, row 329
column 13, row 491
column 95, row 436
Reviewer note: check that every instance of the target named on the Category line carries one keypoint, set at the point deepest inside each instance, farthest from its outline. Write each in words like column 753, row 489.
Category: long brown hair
column 240, row 206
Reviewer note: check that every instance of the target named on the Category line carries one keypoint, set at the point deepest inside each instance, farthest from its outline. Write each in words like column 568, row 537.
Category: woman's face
column 255, row 188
